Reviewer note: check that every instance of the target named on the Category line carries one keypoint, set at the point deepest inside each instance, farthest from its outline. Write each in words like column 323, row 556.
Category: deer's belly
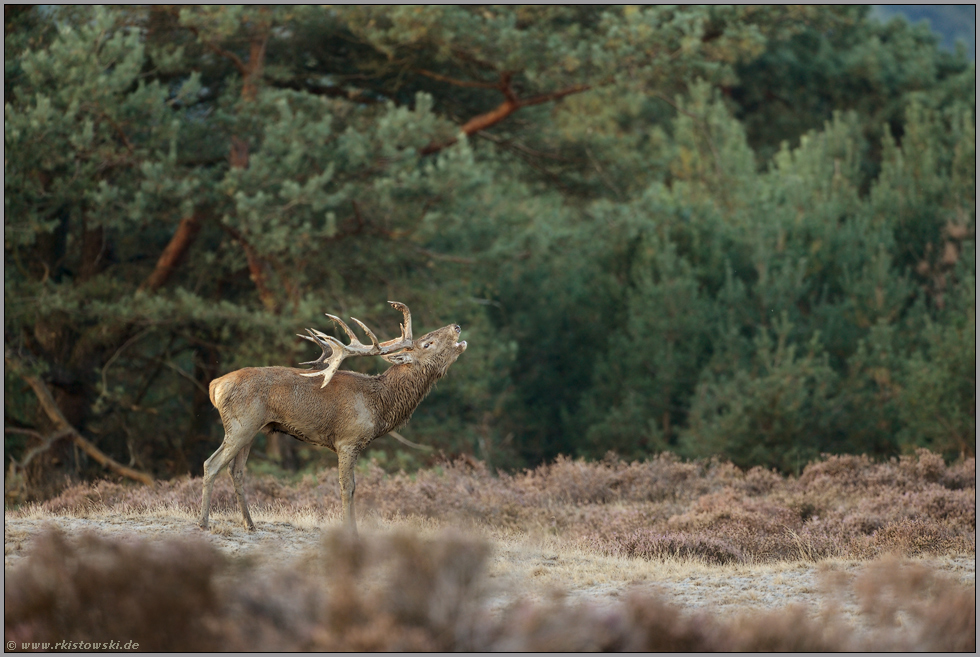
column 313, row 439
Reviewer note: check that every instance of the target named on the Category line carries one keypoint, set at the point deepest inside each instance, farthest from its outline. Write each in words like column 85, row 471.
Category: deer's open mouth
column 461, row 346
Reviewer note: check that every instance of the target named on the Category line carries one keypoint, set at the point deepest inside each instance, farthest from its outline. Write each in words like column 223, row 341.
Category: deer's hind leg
column 237, row 472
column 238, row 438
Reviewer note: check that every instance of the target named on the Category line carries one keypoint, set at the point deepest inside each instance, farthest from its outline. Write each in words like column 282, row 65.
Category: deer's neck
column 402, row 388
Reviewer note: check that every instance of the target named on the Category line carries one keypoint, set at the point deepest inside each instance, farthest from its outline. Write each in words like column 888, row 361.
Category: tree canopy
column 737, row 231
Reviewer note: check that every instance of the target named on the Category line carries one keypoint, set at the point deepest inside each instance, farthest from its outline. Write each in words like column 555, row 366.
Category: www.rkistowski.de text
column 73, row 645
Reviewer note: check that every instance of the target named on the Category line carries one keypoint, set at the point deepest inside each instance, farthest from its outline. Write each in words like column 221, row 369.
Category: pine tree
column 644, row 219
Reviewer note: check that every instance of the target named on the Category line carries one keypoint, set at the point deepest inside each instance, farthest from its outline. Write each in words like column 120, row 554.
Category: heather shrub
column 962, row 474
column 760, row 528
column 787, row 630
column 427, row 599
column 158, row 594
column 912, row 538
column 757, row 481
column 651, row 545
column 948, row 622
column 403, row 592
column 941, row 613
column 839, row 506
column 185, row 493
column 642, row 623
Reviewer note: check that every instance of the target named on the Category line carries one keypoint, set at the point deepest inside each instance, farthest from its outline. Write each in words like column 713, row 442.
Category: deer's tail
column 213, row 392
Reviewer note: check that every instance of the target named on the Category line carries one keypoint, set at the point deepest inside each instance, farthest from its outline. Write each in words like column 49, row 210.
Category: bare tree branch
column 46, row 443
column 256, row 269
column 555, row 95
column 510, row 105
column 172, row 254
column 62, row 426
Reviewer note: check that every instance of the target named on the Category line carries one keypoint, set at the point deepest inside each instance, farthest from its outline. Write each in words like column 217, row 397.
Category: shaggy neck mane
column 403, row 387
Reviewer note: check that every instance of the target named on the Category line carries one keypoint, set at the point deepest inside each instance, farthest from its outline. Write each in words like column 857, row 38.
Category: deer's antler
column 338, row 351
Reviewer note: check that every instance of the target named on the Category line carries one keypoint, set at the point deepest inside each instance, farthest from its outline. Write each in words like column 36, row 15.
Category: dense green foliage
column 737, row 231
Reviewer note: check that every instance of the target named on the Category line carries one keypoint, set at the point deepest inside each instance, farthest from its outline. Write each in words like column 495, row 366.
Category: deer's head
column 433, row 352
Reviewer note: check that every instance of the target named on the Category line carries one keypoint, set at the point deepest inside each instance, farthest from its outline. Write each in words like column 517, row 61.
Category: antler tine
column 312, row 337
column 356, row 346
column 307, row 337
column 369, row 332
column 338, row 350
column 407, row 326
column 406, row 339
column 344, row 326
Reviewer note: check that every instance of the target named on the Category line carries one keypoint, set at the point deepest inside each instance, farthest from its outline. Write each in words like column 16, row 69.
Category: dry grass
column 569, row 556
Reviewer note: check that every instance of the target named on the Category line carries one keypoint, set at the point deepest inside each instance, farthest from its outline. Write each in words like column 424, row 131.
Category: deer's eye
column 426, row 345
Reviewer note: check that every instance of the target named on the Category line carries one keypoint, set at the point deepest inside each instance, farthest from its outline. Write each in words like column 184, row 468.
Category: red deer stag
column 344, row 412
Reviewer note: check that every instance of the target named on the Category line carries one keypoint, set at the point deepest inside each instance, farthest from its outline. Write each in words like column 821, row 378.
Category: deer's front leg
column 347, row 459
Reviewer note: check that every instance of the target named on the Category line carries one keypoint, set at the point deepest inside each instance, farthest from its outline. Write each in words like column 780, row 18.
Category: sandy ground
column 520, row 566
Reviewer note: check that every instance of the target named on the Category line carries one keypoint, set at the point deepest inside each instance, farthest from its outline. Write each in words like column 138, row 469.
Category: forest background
column 741, row 232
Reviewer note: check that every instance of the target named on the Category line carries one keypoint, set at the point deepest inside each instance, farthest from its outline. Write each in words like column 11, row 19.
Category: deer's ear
column 401, row 358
